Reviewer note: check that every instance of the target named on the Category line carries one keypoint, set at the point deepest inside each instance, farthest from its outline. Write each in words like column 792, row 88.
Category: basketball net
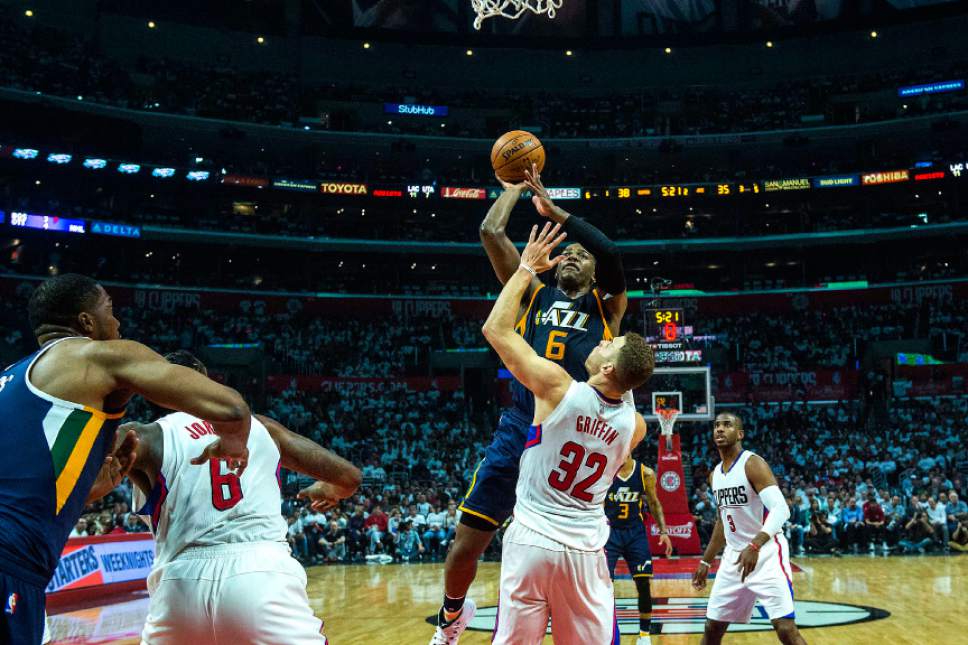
column 512, row 9
column 667, row 419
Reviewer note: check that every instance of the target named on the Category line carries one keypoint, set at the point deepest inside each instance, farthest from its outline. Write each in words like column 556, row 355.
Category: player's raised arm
column 547, row 380
column 609, row 273
column 500, row 249
column 309, row 458
column 132, row 366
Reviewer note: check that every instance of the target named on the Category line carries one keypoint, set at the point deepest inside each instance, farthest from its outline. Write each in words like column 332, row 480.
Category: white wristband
column 528, row 269
column 706, row 564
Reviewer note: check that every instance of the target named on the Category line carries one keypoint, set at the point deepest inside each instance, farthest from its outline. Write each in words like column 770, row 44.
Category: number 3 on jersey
column 226, row 487
column 555, row 350
column 574, row 456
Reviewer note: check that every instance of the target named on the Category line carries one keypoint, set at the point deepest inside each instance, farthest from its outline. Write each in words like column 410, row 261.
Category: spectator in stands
column 297, row 539
column 820, row 537
column 416, row 519
column 434, row 536
column 356, row 532
column 799, row 522
column 333, row 543
column 938, row 517
column 80, row 529
column 852, row 526
column 450, row 524
column 874, row 522
column 408, row 543
column 375, row 527
column 957, row 511
column 959, row 537
column 918, row 533
column 894, row 528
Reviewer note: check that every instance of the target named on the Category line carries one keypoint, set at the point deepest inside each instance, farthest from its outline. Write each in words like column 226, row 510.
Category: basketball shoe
column 449, row 633
column 643, row 640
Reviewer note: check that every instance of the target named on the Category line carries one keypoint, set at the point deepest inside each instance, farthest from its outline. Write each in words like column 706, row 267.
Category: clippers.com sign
column 451, row 192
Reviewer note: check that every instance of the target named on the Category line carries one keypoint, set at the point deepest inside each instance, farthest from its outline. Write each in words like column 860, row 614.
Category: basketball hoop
column 512, row 9
column 667, row 419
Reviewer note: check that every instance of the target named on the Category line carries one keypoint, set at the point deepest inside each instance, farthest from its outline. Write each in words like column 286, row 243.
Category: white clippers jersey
column 192, row 506
column 740, row 508
column 568, row 465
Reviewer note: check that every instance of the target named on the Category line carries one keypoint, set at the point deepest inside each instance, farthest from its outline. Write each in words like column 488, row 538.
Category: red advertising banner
column 672, row 494
column 451, row 192
column 243, row 180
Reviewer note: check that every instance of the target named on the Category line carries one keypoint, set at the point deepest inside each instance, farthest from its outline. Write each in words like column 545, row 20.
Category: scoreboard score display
column 666, row 328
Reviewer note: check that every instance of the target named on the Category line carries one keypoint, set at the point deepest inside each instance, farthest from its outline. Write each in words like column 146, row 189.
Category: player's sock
column 645, row 605
column 452, row 607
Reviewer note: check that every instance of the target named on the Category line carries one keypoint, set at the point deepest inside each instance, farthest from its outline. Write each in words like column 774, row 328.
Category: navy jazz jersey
column 563, row 330
column 625, row 502
column 50, row 454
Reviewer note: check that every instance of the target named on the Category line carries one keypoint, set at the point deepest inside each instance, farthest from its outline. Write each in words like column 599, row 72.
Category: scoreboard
column 666, row 330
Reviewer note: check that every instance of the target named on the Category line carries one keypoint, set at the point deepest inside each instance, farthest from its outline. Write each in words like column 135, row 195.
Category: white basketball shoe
column 450, row 633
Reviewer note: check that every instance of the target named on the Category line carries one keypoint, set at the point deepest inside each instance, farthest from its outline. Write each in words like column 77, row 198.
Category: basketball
column 514, row 152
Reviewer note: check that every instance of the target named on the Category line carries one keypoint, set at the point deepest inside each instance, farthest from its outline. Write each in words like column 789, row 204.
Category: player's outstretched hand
column 322, row 496
column 747, row 561
column 506, row 185
column 537, row 254
column 232, row 449
column 699, row 577
column 540, row 197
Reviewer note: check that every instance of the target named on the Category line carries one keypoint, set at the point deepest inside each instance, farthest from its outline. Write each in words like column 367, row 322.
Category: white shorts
column 541, row 578
column 771, row 583
column 231, row 594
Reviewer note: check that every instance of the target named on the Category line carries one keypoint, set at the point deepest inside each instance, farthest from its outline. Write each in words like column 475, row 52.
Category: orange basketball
column 513, row 152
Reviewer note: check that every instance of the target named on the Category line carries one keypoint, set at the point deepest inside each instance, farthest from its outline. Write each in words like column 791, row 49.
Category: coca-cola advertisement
column 451, row 192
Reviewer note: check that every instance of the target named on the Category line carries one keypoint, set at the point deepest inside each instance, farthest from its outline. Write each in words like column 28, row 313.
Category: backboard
column 688, row 389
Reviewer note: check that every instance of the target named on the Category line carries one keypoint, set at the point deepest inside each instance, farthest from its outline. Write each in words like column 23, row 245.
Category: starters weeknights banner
column 103, row 560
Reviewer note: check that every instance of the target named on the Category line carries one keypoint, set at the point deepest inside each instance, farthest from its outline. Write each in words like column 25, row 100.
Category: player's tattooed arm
column 547, row 380
column 305, row 456
column 655, row 507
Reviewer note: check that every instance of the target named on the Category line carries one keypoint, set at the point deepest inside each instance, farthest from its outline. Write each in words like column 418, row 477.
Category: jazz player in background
column 59, row 411
column 563, row 322
column 582, row 432
column 223, row 572
column 756, row 561
column 628, row 538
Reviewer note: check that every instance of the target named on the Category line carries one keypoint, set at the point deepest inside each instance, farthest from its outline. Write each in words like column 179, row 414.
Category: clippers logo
column 562, row 314
column 12, row 604
column 670, row 481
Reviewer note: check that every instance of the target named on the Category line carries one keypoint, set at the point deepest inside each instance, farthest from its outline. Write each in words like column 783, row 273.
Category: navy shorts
column 22, row 615
column 490, row 499
column 633, row 545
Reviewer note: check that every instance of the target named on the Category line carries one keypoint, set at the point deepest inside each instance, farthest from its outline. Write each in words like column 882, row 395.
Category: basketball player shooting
column 222, row 565
column 756, row 560
column 634, row 485
column 553, row 563
column 59, row 413
column 563, row 323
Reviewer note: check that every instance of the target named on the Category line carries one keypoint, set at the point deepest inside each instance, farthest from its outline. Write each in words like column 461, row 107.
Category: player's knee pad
column 645, row 595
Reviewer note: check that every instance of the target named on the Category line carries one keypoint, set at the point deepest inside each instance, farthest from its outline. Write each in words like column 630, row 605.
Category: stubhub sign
column 415, row 109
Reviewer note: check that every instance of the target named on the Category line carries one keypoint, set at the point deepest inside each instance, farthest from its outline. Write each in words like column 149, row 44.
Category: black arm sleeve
column 609, row 273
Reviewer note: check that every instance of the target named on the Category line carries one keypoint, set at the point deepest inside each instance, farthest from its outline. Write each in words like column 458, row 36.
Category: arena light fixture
column 873, row 34
column 151, row 24
column 366, row 45
column 668, row 50
column 29, row 13
column 769, row 44
column 261, row 40
column 469, row 52
column 568, row 52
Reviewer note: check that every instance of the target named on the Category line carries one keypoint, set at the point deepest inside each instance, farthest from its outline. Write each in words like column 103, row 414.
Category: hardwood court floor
column 927, row 598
